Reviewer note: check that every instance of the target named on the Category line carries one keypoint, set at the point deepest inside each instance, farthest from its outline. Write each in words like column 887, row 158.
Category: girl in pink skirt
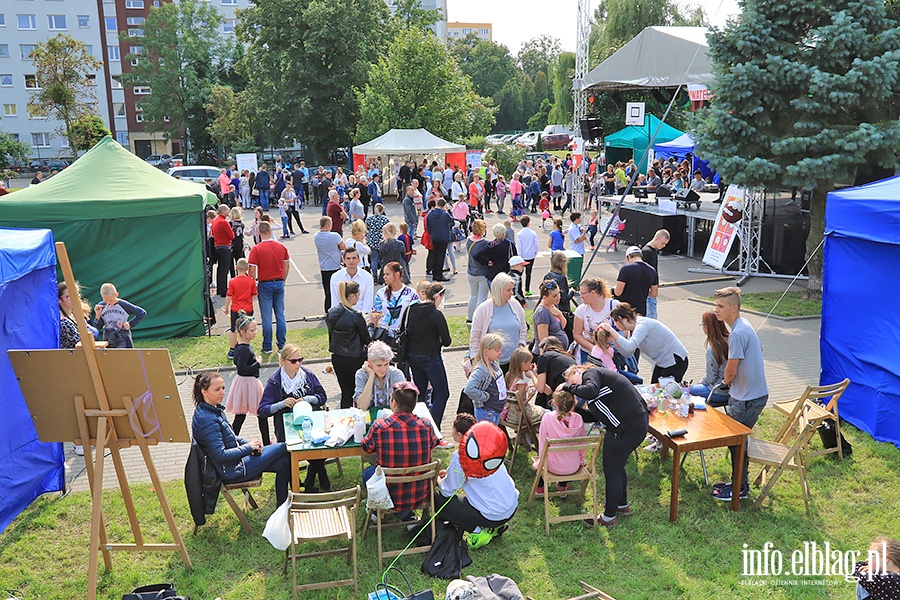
column 246, row 388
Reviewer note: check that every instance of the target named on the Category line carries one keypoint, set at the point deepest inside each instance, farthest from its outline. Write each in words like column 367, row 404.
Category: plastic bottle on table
column 359, row 430
column 307, row 432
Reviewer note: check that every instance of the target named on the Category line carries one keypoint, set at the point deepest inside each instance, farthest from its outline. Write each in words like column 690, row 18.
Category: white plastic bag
column 278, row 530
column 378, row 494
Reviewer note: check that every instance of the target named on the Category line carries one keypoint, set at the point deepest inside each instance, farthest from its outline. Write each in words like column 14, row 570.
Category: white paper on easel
column 421, row 411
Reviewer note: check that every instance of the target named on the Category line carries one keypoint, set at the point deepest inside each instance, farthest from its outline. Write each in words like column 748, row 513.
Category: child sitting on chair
column 401, row 440
column 563, row 422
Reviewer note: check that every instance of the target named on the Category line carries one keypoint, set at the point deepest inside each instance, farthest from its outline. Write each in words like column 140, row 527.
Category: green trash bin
column 574, row 264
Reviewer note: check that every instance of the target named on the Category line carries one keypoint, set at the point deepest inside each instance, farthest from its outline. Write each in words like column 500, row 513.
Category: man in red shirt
column 336, row 212
column 402, row 440
column 223, row 235
column 269, row 265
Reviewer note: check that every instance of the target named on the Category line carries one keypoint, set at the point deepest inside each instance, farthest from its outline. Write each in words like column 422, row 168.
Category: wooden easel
column 119, row 398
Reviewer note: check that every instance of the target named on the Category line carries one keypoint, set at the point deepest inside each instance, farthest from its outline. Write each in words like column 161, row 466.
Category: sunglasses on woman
column 295, row 361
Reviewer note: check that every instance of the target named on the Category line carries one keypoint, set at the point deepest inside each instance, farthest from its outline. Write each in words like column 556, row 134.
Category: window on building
column 91, row 79
column 14, row 136
column 110, row 24
column 141, row 90
column 57, row 22
column 139, row 117
column 119, row 109
column 483, row 31
column 6, row 80
column 89, row 48
column 4, row 50
column 36, row 112
column 84, row 20
column 113, row 53
column 136, row 52
column 122, row 138
column 40, row 140
column 466, row 31
column 9, row 110
column 134, row 3
column 155, row 3
column 27, row 22
column 228, row 26
column 26, row 50
column 31, row 82
column 135, row 20
column 115, row 83
column 229, row 2
column 2, row 20
column 133, row 32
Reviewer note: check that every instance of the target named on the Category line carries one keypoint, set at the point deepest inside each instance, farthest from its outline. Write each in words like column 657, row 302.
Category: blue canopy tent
column 680, row 147
column 637, row 138
column 861, row 269
column 29, row 317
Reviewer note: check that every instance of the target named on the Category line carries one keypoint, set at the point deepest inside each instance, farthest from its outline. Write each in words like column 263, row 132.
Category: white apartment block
column 26, row 23
column 439, row 28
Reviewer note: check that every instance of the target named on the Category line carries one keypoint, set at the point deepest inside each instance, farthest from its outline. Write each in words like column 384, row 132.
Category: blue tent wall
column 29, row 318
column 860, row 336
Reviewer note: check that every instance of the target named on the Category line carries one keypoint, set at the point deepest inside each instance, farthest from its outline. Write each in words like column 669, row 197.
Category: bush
column 475, row 142
column 507, row 157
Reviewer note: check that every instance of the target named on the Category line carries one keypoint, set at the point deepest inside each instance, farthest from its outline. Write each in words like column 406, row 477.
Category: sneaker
column 604, row 523
column 480, row 539
column 653, row 447
column 79, row 450
column 725, row 494
column 231, row 354
column 624, row 511
column 528, row 294
column 539, row 491
column 722, row 485
column 562, row 489
column 445, row 444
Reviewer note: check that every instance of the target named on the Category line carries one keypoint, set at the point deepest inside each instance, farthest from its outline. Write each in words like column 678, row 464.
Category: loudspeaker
column 664, row 192
column 591, row 128
column 640, row 192
column 687, row 194
column 805, row 201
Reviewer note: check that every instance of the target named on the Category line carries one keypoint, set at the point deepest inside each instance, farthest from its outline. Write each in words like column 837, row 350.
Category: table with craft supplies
column 301, row 451
column 705, row 429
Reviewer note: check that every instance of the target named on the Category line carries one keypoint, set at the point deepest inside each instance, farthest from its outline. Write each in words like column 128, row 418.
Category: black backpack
column 448, row 554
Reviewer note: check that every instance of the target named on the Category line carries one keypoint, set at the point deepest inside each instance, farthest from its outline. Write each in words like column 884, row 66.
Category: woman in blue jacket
column 235, row 458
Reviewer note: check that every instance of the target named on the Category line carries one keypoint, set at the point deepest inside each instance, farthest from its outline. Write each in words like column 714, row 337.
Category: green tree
column 396, row 97
column 507, row 157
column 307, row 59
column 811, row 99
column 488, row 64
column 85, row 131
column 233, row 116
column 411, row 14
column 510, row 106
column 66, row 76
column 12, row 150
column 563, row 104
column 179, row 61
column 539, row 54
column 541, row 118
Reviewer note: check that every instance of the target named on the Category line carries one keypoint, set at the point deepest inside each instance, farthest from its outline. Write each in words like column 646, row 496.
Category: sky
column 513, row 24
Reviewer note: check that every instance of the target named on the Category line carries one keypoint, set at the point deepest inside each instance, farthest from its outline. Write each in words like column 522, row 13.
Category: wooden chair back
column 524, row 428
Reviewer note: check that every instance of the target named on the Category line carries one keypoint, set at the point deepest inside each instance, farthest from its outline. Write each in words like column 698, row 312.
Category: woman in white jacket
column 498, row 315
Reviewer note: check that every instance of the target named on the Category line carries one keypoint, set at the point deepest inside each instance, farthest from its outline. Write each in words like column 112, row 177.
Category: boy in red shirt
column 241, row 292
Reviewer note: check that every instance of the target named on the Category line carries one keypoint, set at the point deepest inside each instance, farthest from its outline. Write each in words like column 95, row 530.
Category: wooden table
column 706, row 429
column 317, row 452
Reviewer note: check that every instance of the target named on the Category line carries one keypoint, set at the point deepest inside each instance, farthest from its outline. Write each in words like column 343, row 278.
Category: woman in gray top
column 475, row 271
column 654, row 339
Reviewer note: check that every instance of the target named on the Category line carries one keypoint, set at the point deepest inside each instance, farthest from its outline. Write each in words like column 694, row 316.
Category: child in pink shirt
column 563, row 422
column 602, row 349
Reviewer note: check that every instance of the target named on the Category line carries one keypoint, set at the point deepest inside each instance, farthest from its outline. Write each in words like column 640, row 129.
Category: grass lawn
column 43, row 553
column 203, row 352
column 793, row 304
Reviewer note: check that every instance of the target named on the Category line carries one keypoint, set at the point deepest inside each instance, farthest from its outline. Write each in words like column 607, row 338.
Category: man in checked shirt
column 402, row 440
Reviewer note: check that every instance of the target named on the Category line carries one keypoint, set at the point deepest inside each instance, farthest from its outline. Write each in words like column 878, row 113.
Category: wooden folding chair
column 249, row 501
column 591, row 592
column 318, row 518
column 587, row 473
column 781, row 456
column 427, row 472
column 825, row 408
column 524, row 430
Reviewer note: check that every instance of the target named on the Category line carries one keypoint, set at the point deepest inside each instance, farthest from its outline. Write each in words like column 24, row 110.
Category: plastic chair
column 394, row 476
column 586, row 473
column 319, row 518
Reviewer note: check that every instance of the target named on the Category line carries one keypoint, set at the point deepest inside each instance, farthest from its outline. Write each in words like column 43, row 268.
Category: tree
column 306, row 59
column 541, row 118
column 233, row 117
column 507, row 157
column 12, row 150
column 538, row 54
column 396, row 97
column 563, row 110
column 179, row 60
column 63, row 71
column 809, row 101
column 411, row 14
column 488, row 64
column 85, row 131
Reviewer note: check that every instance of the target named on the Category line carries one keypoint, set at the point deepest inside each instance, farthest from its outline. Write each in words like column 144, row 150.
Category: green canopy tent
column 128, row 223
column 634, row 140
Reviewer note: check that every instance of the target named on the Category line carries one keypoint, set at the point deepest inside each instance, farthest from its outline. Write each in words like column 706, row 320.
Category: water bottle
column 307, row 432
column 661, row 402
column 359, row 430
column 685, row 406
column 328, row 422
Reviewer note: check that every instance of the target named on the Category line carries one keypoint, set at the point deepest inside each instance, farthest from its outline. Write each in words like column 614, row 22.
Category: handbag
column 402, row 339
column 386, row 591
column 156, row 591
column 448, row 554
column 378, row 495
column 828, row 435
column 278, row 529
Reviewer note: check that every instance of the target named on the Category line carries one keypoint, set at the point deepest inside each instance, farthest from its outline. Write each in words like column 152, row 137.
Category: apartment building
column 457, row 30
column 439, row 28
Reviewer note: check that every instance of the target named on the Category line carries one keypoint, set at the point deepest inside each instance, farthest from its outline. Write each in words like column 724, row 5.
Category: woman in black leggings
column 615, row 402
column 348, row 336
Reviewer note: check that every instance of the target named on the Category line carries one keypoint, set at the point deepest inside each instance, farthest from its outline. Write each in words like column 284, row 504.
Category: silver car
column 196, row 173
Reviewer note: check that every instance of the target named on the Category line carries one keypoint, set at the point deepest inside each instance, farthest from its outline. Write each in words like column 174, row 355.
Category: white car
column 529, row 140
column 197, row 173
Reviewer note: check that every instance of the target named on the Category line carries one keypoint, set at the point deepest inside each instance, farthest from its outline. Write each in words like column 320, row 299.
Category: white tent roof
column 408, row 141
column 656, row 57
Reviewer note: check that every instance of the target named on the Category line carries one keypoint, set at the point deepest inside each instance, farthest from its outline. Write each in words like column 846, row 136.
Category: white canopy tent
column 657, row 57
column 405, row 144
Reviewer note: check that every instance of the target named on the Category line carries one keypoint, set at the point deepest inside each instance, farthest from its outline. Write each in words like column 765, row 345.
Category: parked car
column 160, row 161
column 197, row 173
column 494, row 139
column 555, row 141
column 511, row 138
column 529, row 140
column 534, row 156
column 49, row 164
